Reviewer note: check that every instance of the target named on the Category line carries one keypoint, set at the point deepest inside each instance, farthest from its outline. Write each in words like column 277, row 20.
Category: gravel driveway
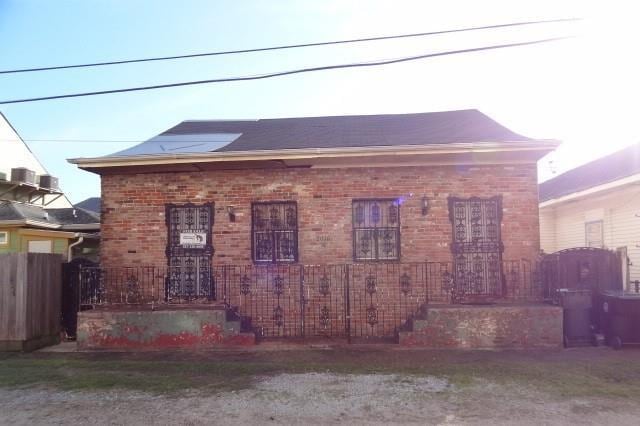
column 317, row 398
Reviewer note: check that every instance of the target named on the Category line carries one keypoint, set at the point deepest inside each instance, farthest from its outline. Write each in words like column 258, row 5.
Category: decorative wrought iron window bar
column 274, row 231
column 189, row 261
column 477, row 245
column 376, row 229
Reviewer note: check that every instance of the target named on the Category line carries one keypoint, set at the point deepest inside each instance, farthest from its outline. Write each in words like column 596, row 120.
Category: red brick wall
column 133, row 205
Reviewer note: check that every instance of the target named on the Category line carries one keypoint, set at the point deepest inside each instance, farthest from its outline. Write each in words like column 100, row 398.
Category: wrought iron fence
column 146, row 285
column 353, row 300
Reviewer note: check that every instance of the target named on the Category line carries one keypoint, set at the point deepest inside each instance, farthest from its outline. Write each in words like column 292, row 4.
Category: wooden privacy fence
column 30, row 289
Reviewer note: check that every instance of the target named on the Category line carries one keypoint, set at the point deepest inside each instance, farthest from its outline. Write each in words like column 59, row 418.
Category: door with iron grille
column 476, row 247
column 189, row 252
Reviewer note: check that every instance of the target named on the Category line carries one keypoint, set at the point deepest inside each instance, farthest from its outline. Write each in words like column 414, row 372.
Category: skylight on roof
column 180, row 144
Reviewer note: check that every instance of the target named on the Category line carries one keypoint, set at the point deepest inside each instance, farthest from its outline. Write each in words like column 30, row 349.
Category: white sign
column 193, row 238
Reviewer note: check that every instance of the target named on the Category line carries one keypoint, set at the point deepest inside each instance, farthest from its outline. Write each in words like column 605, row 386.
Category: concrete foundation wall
column 487, row 327
column 193, row 328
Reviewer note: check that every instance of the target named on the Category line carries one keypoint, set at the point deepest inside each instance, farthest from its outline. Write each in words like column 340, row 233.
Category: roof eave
column 81, row 226
column 29, row 222
column 594, row 190
column 540, row 145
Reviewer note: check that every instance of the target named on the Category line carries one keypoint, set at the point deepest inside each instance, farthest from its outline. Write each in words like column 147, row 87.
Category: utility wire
column 112, row 140
column 290, row 46
column 101, row 140
column 284, row 73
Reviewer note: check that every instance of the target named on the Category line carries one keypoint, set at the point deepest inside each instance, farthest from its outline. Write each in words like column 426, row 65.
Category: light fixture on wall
column 232, row 213
column 424, row 203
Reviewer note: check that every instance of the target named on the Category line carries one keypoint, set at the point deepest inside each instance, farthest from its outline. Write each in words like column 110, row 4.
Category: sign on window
column 193, row 239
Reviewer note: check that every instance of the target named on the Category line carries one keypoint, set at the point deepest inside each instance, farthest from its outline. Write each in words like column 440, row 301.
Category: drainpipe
column 69, row 252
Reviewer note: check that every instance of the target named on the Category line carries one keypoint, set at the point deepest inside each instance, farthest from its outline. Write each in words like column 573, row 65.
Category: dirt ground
column 296, row 385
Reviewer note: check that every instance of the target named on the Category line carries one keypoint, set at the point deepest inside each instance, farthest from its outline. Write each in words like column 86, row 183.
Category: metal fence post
column 303, row 301
column 347, row 298
column 79, row 290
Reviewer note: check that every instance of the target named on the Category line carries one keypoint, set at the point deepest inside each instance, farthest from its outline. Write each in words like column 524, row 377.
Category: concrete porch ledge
column 167, row 328
column 513, row 326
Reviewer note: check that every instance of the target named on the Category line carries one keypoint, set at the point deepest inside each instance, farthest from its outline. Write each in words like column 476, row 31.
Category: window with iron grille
column 376, row 229
column 274, row 231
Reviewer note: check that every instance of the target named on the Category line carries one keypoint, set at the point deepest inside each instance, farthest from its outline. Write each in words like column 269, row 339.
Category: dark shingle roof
column 330, row 132
column 73, row 216
column 607, row 169
column 10, row 210
column 18, row 211
column 91, row 204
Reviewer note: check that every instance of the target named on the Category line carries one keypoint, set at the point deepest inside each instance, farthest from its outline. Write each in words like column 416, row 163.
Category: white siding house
column 35, row 215
column 15, row 153
column 595, row 205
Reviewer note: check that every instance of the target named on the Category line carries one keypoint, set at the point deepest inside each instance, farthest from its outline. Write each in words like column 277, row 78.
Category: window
column 4, row 238
column 44, row 246
column 376, row 229
column 274, row 232
column 594, row 234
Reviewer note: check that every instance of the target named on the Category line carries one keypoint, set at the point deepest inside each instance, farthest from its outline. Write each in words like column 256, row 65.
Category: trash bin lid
column 621, row 294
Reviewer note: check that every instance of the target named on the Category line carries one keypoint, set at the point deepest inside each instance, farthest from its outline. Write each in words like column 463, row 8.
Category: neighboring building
column 595, row 205
column 16, row 154
column 29, row 228
column 381, row 195
column 35, row 215
column 91, row 204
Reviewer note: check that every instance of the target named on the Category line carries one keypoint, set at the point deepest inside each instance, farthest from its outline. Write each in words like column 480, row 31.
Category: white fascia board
column 311, row 153
column 13, row 222
column 42, row 224
column 91, row 226
column 29, row 222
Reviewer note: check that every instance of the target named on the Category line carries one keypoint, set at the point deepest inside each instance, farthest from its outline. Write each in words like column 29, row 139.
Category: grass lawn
column 579, row 372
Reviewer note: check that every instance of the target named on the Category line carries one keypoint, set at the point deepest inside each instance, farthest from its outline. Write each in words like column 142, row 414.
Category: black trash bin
column 619, row 317
column 576, row 317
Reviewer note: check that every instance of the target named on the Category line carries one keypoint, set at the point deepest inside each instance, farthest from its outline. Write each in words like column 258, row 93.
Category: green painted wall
column 60, row 245
column 20, row 243
column 14, row 242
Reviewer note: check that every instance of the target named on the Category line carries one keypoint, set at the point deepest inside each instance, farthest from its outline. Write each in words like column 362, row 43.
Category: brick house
column 422, row 208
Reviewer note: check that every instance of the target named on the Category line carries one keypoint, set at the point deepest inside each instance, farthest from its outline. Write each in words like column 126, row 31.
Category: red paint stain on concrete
column 211, row 335
column 243, row 339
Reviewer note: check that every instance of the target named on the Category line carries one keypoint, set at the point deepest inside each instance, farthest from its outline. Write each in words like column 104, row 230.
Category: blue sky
column 564, row 91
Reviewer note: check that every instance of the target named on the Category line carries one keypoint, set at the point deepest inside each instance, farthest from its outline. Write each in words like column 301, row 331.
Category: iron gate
column 586, row 268
column 477, row 246
column 189, row 252
column 71, row 294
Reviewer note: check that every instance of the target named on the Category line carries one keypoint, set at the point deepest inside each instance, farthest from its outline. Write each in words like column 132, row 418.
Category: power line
column 290, row 46
column 284, row 73
column 108, row 140
column 98, row 140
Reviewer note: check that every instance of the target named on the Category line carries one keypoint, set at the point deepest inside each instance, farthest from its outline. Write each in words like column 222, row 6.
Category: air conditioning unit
column 48, row 181
column 23, row 175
